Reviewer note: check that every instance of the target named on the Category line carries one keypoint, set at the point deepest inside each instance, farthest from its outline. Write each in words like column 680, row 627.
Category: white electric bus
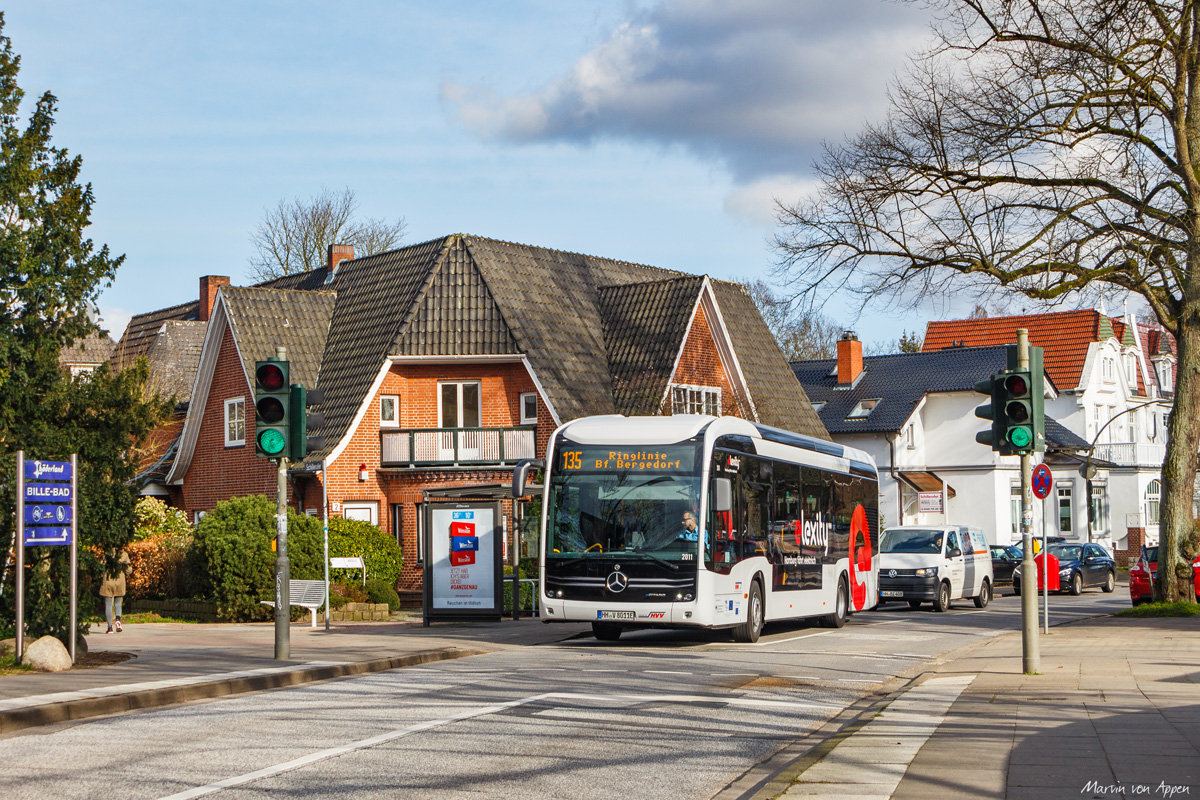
column 699, row 521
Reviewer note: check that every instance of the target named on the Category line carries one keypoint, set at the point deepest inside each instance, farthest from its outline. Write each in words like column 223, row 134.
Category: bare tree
column 295, row 235
column 801, row 333
column 1045, row 147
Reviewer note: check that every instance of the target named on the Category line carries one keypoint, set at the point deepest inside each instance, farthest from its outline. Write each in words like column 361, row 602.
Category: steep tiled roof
column 263, row 319
column 643, row 325
column 1064, row 336
column 173, row 355
column 95, row 348
column 778, row 399
column 143, row 329
column 899, row 381
column 376, row 298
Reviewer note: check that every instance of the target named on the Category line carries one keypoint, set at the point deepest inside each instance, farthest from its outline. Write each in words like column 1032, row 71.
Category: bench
column 306, row 594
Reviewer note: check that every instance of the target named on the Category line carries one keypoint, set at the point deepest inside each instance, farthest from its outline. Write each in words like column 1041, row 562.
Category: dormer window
column 1131, row 370
column 864, row 408
column 1109, row 369
column 817, row 406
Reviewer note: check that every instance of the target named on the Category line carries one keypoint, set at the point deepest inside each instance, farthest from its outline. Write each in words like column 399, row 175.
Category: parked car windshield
column 999, row 551
column 911, row 541
column 1067, row 552
column 1152, row 554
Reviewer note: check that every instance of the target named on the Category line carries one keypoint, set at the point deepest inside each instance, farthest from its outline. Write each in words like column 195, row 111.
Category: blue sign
column 47, row 536
column 459, row 544
column 47, row 493
column 1043, row 481
column 47, row 470
column 44, row 514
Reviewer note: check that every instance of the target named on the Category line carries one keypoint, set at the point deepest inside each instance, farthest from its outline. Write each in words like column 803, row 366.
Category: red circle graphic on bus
column 860, row 557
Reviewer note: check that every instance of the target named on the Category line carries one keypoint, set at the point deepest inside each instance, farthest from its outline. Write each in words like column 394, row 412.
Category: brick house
column 443, row 363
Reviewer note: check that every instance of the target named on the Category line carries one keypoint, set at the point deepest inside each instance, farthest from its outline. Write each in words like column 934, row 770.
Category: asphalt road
column 658, row 714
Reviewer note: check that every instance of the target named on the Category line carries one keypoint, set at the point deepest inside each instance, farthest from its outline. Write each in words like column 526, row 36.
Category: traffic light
column 1018, row 412
column 992, row 410
column 271, row 403
column 300, row 442
column 1037, row 398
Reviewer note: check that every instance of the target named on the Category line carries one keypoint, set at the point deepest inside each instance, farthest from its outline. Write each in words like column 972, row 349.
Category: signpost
column 1043, row 484
column 46, row 516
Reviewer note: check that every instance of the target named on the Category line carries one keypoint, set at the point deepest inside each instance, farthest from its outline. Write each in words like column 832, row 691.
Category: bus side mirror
column 521, row 471
column 722, row 495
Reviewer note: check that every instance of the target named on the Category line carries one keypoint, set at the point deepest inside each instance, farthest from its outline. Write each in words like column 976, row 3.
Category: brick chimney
column 337, row 254
column 208, row 293
column 849, row 358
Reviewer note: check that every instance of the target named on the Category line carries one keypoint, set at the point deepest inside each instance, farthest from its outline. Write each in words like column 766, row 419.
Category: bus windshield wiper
column 662, row 561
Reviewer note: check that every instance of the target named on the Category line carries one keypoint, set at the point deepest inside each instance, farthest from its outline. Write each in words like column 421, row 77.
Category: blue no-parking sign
column 1043, row 481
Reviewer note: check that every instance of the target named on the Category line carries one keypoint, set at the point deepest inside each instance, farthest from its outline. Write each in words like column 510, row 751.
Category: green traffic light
column 272, row 441
column 1020, row 437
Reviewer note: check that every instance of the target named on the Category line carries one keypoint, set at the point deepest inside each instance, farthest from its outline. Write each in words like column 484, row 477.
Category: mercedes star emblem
column 616, row 582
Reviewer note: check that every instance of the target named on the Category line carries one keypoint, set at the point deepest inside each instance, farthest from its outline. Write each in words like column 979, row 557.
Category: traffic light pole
column 283, row 606
column 1030, row 657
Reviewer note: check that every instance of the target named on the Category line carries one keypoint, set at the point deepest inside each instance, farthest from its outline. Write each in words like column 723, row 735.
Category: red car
column 1143, row 571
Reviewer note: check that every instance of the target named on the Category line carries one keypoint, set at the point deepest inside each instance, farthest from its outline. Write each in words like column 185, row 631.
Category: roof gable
column 644, row 327
column 264, row 319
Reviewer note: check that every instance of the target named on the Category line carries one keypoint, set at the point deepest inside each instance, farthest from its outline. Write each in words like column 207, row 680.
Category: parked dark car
column 1079, row 566
column 1005, row 558
column 1142, row 573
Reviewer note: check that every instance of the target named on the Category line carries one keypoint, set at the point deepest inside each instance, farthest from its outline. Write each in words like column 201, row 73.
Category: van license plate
column 615, row 615
column 891, row 594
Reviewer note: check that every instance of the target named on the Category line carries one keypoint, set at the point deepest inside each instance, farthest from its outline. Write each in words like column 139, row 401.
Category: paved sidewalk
column 175, row 663
column 1115, row 713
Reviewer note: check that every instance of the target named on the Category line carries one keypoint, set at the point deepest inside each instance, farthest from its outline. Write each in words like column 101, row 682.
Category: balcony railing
column 444, row 447
column 1130, row 454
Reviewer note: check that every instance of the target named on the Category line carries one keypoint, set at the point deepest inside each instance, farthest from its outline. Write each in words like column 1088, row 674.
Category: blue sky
column 655, row 132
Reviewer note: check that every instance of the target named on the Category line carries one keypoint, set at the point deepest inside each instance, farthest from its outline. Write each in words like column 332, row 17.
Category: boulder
column 47, row 654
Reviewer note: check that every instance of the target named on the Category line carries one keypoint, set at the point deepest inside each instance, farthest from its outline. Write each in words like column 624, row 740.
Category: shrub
column 157, row 567
column 380, row 553
column 380, row 591
column 231, row 561
column 526, row 591
column 152, row 518
column 342, row 593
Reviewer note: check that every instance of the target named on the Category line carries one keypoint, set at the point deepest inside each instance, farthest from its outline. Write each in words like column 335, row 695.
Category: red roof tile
column 1064, row 337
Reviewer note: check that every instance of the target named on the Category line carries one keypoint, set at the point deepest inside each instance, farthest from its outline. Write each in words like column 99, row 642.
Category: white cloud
column 114, row 320
column 756, row 202
column 754, row 85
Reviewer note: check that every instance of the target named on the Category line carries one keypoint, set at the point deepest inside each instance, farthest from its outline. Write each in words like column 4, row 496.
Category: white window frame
column 460, row 385
column 910, row 437
column 1015, row 497
column 233, row 403
column 394, row 401
column 1108, row 369
column 1131, row 370
column 864, row 408
column 370, row 506
column 1153, row 502
column 1099, row 506
column 694, row 399
column 525, row 398
column 1065, row 491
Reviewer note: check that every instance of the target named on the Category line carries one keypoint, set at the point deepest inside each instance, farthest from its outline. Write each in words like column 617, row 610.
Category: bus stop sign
column 1043, row 482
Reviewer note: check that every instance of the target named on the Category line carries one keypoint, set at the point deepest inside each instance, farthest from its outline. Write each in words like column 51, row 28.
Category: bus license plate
column 615, row 615
column 891, row 593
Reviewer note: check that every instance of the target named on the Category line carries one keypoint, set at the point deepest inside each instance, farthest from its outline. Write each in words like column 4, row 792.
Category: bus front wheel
column 749, row 630
column 841, row 605
column 606, row 631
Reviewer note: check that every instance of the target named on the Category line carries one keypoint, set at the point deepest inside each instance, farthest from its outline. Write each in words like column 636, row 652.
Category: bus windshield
column 911, row 541
column 636, row 502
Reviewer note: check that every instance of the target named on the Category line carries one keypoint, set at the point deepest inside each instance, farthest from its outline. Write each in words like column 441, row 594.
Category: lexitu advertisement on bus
column 699, row 521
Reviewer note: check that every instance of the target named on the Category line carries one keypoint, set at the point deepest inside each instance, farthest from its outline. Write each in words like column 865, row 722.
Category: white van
column 934, row 564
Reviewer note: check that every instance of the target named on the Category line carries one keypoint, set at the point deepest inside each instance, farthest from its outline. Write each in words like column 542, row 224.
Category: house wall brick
column 217, row 472
column 700, row 365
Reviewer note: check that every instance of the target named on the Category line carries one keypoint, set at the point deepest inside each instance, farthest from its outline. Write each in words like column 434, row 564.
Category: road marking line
column 764, row 643
column 665, row 672
column 334, row 752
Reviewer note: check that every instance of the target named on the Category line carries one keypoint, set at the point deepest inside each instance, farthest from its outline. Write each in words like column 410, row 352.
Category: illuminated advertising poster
column 464, row 558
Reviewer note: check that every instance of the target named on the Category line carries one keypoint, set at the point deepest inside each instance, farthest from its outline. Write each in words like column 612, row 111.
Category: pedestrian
column 112, row 589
